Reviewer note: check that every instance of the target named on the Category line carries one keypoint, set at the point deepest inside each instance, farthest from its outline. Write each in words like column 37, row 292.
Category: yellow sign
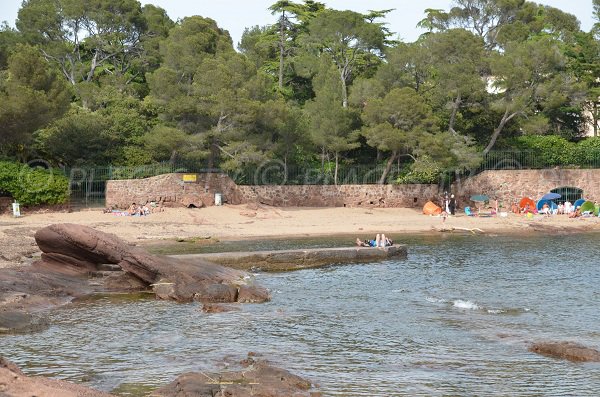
column 189, row 177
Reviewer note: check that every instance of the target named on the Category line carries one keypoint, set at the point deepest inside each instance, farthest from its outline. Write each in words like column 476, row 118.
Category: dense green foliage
column 33, row 186
column 115, row 83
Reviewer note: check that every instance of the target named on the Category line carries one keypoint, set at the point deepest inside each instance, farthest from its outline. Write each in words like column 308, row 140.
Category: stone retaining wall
column 506, row 185
column 511, row 185
column 341, row 195
column 173, row 190
column 186, row 190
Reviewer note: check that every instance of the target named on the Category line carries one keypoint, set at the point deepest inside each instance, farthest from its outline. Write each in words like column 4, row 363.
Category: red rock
column 566, row 350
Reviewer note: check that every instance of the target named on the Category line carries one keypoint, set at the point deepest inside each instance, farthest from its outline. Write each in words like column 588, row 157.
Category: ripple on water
column 454, row 318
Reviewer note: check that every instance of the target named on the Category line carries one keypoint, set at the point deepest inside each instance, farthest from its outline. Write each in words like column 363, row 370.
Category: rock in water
column 14, row 383
column 566, row 350
column 72, row 249
column 258, row 378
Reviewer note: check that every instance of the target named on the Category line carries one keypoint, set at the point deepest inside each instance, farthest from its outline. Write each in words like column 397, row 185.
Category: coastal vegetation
column 116, row 83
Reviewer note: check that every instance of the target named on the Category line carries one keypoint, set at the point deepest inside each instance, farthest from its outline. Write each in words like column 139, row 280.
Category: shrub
column 33, row 186
column 424, row 170
column 550, row 150
column 587, row 152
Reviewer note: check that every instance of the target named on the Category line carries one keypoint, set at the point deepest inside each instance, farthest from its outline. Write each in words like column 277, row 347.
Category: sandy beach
column 230, row 222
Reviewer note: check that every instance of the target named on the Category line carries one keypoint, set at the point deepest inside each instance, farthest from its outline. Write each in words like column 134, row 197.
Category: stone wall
column 186, row 190
column 341, row 195
column 511, row 185
column 173, row 190
column 506, row 185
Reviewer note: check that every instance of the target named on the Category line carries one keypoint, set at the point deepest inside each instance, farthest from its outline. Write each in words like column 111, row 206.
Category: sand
column 230, row 222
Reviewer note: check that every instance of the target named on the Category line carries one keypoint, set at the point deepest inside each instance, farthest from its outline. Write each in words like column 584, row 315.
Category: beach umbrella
column 480, row 197
column 550, row 196
column 550, row 203
column 578, row 203
column 526, row 201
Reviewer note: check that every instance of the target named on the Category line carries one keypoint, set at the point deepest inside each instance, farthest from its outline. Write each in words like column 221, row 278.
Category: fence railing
column 88, row 185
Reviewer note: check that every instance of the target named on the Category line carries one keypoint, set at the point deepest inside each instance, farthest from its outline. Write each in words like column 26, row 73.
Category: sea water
column 453, row 319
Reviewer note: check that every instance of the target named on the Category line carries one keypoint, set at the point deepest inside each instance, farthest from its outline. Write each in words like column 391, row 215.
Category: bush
column 33, row 186
column 424, row 170
column 549, row 150
column 587, row 152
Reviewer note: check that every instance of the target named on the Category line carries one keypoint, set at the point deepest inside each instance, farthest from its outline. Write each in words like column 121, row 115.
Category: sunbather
column 380, row 241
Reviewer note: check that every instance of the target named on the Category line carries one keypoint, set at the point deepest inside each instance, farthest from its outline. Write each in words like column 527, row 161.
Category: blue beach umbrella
column 550, row 196
column 541, row 203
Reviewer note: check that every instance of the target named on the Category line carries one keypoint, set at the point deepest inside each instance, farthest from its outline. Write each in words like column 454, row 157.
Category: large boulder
column 258, row 378
column 73, row 250
column 566, row 350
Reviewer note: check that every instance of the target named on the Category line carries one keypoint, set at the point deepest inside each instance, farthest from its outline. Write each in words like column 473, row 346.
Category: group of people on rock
column 380, row 241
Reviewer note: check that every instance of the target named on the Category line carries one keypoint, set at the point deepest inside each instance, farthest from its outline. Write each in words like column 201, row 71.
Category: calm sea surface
column 454, row 319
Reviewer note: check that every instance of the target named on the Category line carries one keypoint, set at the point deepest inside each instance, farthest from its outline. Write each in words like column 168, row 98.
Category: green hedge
column 552, row 150
column 33, row 186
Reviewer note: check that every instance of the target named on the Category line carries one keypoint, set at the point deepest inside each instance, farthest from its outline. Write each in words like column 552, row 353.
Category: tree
column 88, row 39
column 286, row 9
column 528, row 78
column 79, row 138
column 332, row 126
column 9, row 38
column 458, row 61
column 31, row 96
column 348, row 39
column 396, row 124
column 501, row 21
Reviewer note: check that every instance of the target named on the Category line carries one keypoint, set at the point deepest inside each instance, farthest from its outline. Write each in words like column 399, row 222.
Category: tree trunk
column 595, row 118
column 505, row 119
column 344, row 94
column 335, row 174
column 281, row 48
column 455, row 106
column 388, row 167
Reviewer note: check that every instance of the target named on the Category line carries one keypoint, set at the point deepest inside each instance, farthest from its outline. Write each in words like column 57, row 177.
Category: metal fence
column 275, row 173
column 88, row 185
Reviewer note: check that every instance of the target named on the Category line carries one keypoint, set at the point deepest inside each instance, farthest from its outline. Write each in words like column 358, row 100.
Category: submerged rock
column 566, row 350
column 257, row 378
column 14, row 383
column 218, row 308
column 12, row 322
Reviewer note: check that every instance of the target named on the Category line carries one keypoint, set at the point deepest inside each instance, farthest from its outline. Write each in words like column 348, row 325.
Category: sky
column 235, row 15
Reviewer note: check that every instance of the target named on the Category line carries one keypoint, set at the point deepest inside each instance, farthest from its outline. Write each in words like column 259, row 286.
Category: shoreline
column 259, row 222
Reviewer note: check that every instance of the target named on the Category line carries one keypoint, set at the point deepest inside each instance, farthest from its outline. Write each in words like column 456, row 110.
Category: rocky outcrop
column 566, row 350
column 14, row 383
column 257, row 379
column 76, row 250
column 77, row 261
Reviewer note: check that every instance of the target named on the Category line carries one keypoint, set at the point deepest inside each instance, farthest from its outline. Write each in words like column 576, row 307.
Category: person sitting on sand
column 380, row 241
column 514, row 208
column 576, row 213
column 133, row 209
column 546, row 209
